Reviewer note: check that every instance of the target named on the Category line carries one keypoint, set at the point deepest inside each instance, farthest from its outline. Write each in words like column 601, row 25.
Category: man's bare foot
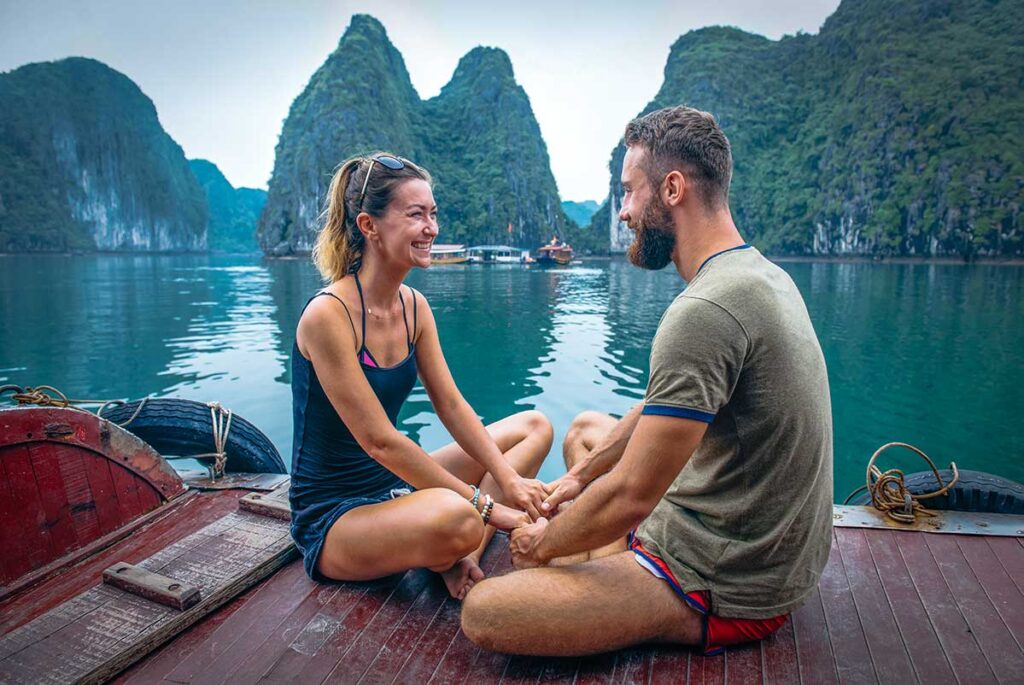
column 461, row 577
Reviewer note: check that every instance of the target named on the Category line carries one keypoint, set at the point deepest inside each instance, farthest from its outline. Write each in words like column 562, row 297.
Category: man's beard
column 655, row 238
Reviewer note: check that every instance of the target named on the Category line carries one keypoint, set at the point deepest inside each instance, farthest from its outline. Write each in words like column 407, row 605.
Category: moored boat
column 497, row 254
column 555, row 253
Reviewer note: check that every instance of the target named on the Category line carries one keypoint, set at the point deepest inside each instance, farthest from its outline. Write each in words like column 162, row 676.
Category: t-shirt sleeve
column 696, row 360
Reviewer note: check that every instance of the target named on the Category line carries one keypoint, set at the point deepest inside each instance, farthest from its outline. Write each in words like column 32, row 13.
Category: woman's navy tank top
column 328, row 465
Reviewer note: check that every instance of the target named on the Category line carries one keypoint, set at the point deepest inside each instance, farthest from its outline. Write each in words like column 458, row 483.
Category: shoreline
column 840, row 259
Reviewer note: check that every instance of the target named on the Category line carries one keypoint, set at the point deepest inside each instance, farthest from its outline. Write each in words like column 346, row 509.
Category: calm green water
column 929, row 354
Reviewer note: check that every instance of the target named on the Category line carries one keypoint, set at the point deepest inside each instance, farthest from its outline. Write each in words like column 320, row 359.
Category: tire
column 976, row 491
column 183, row 427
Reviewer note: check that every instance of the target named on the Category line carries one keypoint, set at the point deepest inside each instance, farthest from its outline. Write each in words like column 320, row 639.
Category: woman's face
column 407, row 230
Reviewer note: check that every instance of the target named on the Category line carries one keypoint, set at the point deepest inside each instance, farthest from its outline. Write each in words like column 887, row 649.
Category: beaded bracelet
column 488, row 508
column 476, row 497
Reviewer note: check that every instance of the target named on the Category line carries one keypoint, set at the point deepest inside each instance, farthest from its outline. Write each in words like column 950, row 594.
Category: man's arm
column 601, row 458
column 614, row 505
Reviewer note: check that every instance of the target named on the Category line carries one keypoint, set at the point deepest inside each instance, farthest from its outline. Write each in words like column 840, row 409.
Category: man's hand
column 566, row 488
column 526, row 494
column 524, row 542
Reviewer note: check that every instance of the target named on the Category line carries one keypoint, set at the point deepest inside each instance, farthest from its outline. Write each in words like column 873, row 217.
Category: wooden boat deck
column 892, row 607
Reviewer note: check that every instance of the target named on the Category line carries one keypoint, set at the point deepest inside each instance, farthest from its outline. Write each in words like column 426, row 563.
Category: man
column 704, row 516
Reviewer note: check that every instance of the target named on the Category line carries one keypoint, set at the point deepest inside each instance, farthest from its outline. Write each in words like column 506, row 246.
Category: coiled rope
column 41, row 396
column 889, row 492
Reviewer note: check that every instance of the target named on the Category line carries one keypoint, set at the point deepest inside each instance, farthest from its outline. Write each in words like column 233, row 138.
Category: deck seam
column 988, row 596
column 860, row 618
column 938, row 634
column 426, row 629
column 856, row 610
column 995, row 553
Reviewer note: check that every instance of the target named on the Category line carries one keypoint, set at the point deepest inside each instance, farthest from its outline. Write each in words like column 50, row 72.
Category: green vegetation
column 478, row 138
column 85, row 165
column 897, row 130
column 233, row 212
column 580, row 212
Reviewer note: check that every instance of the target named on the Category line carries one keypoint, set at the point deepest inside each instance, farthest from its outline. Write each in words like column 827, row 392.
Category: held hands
column 565, row 489
column 526, row 494
column 507, row 518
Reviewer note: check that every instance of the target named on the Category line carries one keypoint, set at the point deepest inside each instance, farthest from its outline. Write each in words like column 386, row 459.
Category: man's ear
column 364, row 222
column 673, row 188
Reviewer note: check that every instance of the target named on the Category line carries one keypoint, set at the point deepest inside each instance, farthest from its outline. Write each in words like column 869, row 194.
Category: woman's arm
column 463, row 423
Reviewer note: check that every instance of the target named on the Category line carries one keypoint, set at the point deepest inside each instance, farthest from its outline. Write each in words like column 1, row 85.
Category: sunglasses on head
column 393, row 163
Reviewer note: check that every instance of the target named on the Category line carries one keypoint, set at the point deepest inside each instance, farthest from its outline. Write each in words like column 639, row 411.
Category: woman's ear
column 674, row 188
column 364, row 222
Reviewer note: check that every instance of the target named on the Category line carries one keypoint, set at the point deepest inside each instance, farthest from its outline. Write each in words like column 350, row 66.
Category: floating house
column 448, row 254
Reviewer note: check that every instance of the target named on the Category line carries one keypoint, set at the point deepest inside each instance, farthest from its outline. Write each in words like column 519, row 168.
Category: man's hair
column 689, row 140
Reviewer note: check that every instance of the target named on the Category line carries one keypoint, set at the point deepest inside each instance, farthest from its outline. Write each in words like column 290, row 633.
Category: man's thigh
column 596, row 606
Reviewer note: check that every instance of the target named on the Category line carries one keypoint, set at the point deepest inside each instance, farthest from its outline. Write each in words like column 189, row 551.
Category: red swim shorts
column 719, row 632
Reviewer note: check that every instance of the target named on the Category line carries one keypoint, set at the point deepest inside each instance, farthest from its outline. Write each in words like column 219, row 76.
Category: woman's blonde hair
column 339, row 245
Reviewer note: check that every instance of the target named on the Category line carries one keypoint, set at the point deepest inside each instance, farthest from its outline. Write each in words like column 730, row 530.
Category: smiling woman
column 366, row 500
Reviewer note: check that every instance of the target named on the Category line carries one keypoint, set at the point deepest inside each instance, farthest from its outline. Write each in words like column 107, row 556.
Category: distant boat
column 448, row 254
column 498, row 254
column 555, row 252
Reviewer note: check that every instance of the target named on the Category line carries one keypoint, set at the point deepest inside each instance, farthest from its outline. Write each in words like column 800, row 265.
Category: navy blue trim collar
column 704, row 263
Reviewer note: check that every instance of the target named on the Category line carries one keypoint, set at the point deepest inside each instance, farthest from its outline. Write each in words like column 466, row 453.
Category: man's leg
column 596, row 606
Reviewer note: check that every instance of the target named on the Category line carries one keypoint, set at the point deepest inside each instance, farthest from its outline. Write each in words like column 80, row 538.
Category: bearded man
column 704, row 516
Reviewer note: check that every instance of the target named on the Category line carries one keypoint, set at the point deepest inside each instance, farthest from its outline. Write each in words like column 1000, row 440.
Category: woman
column 353, row 515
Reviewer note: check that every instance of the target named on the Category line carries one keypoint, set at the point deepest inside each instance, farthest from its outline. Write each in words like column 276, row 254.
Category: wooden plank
column 159, row 663
column 274, row 600
column 1005, row 596
column 444, row 654
column 396, row 649
column 813, row 644
column 853, row 660
column 780, row 656
column 97, row 472
column 596, row 670
column 927, row 656
column 126, row 490
column 79, row 495
column 14, row 561
column 309, row 640
column 965, row 656
column 252, row 658
column 367, row 646
column 1011, row 556
column 523, row 670
column 671, row 665
column 1001, row 651
column 744, row 664
column 633, row 665
column 143, row 624
column 53, row 499
column 888, row 653
column 29, row 523
column 707, row 670
column 152, row 586
column 265, row 505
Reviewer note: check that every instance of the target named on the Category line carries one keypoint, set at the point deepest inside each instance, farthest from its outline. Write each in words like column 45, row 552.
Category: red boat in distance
column 555, row 252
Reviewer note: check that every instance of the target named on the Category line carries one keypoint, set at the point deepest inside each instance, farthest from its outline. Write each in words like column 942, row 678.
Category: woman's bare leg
column 433, row 528
column 525, row 440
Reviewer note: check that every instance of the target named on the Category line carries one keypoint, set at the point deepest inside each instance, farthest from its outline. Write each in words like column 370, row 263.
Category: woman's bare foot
column 461, row 577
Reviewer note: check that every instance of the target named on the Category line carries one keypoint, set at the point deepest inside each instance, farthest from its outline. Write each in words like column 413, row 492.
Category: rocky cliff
column 233, row 211
column 897, row 130
column 85, row 165
column 478, row 138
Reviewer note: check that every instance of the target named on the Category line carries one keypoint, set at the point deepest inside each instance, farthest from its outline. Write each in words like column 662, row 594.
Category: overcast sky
column 223, row 73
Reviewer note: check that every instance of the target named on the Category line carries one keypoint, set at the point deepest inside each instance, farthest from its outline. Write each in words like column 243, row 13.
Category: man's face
column 645, row 213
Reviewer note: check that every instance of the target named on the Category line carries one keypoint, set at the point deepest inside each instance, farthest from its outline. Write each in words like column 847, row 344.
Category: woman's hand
column 507, row 518
column 526, row 494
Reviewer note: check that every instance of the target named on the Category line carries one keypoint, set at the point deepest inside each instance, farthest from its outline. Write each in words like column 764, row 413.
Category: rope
column 40, row 395
column 221, row 420
column 889, row 492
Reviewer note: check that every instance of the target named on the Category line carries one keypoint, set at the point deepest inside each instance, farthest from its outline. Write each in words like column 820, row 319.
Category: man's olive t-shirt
column 749, row 518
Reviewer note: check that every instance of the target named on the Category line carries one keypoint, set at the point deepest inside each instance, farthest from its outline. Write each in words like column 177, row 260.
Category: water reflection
column 925, row 353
